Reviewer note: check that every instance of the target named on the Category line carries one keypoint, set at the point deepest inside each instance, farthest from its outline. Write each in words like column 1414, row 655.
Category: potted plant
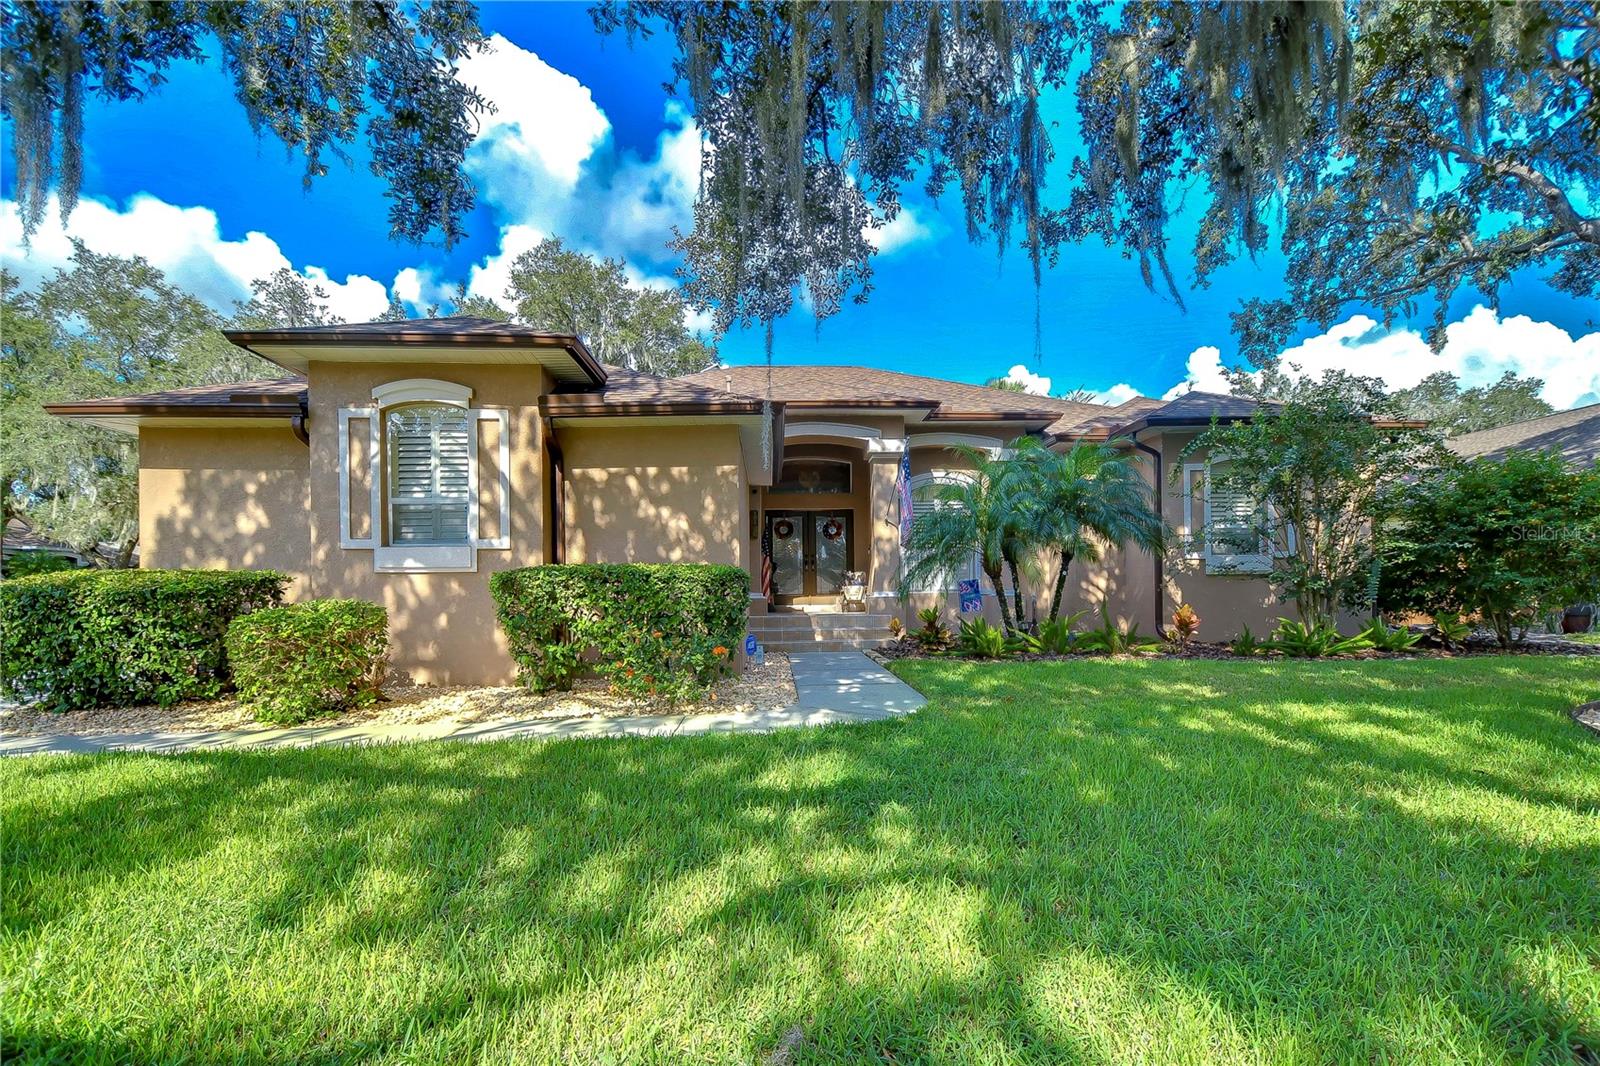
column 1578, row 618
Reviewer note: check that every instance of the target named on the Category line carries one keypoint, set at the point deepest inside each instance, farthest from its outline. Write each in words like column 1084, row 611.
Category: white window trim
column 972, row 570
column 1199, row 541
column 423, row 558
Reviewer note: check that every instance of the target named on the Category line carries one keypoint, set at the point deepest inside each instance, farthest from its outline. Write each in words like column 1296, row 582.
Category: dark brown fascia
column 283, row 407
column 587, row 405
column 877, row 405
column 573, row 346
column 939, row 414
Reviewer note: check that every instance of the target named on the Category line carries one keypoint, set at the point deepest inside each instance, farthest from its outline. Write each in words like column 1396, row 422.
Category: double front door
column 810, row 553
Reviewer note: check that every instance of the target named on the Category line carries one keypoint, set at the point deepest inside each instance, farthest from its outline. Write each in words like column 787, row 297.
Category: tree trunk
column 125, row 553
column 1016, row 591
column 998, row 581
column 1061, row 584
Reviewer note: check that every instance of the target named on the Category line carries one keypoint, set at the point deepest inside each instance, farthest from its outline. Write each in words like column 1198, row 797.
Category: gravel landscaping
column 758, row 688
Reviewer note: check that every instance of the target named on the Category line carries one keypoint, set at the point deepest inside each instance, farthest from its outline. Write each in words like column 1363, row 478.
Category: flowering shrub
column 651, row 630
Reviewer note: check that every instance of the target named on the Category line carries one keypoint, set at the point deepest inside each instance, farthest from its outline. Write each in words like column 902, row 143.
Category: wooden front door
column 810, row 554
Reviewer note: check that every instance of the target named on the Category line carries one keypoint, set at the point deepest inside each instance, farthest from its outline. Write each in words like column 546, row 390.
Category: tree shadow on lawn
column 1085, row 863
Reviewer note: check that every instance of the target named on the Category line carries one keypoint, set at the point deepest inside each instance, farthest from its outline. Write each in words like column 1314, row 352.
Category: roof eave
column 252, row 340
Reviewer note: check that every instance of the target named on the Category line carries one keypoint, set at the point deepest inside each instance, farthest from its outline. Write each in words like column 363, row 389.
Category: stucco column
column 883, row 538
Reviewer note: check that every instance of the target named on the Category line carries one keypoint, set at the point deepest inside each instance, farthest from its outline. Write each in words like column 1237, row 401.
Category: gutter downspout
column 1161, row 581
column 297, row 423
column 558, row 495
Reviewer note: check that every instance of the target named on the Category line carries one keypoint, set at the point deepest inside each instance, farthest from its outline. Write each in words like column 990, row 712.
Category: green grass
column 1092, row 861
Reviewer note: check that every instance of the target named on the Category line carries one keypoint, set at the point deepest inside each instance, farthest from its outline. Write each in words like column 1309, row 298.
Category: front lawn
column 1089, row 861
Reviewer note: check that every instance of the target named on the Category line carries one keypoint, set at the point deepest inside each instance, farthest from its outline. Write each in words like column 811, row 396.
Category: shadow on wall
column 1033, row 880
column 655, row 515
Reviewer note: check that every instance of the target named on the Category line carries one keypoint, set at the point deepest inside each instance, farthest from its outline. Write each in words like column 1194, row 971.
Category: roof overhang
column 747, row 416
column 122, row 417
column 566, row 357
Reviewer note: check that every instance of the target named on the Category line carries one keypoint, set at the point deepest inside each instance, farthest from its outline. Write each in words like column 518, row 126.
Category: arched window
column 925, row 491
column 430, row 473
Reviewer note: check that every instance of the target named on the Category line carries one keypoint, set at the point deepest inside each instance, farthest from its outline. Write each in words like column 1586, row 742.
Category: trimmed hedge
column 309, row 659
column 105, row 638
column 654, row 629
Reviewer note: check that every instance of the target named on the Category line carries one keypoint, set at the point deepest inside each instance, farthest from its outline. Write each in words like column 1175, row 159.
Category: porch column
column 883, row 536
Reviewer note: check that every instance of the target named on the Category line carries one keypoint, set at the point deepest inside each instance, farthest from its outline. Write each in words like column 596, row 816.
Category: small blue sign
column 971, row 597
column 750, row 644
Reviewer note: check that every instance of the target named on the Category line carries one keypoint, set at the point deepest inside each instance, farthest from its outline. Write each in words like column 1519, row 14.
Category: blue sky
column 587, row 146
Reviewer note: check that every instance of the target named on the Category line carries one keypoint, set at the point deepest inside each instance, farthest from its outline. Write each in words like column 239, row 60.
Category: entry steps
column 792, row 631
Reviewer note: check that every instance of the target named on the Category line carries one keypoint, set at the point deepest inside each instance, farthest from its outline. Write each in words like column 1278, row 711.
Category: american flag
column 766, row 559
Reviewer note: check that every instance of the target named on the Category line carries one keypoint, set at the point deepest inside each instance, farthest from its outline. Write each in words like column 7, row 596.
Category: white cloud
column 185, row 243
column 1478, row 350
column 1030, row 382
column 904, row 230
column 1116, row 394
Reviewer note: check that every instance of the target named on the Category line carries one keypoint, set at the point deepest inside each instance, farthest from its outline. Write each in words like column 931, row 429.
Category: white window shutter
column 501, row 481
column 1233, row 535
column 360, row 476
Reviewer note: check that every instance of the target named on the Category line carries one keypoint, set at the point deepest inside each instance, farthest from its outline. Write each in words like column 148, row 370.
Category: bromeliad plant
column 1314, row 640
column 980, row 640
column 932, row 634
column 1113, row 639
column 1054, row 636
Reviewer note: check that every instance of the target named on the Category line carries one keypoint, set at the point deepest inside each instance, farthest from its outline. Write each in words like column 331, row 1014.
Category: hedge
column 652, row 629
column 104, row 638
column 309, row 659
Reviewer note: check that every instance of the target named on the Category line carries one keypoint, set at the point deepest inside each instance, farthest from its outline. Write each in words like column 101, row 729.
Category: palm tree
column 984, row 514
column 1083, row 498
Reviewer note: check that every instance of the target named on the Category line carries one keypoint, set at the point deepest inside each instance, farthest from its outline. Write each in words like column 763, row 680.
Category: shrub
column 1185, row 624
column 1247, row 644
column 1114, row 640
column 1508, row 539
column 1055, row 635
column 1302, row 640
column 309, row 659
column 28, row 563
column 1383, row 638
column 932, row 634
column 101, row 638
column 655, row 629
column 1451, row 629
column 981, row 640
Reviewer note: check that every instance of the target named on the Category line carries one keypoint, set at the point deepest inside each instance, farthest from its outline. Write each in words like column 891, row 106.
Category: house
column 406, row 462
column 1575, row 434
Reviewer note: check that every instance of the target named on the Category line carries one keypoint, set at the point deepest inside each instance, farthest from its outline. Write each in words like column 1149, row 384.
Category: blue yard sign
column 971, row 597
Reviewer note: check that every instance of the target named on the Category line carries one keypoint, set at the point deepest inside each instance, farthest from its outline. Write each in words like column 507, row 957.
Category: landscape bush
column 104, row 638
column 653, row 630
column 309, row 659
column 980, row 640
column 29, row 563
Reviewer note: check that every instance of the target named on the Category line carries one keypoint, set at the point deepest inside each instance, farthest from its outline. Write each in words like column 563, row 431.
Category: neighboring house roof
column 20, row 537
column 1575, row 434
column 458, row 338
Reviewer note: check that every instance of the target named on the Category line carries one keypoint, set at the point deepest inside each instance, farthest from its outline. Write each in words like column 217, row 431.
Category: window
column 1232, row 532
column 430, row 477
column 814, row 475
column 925, row 489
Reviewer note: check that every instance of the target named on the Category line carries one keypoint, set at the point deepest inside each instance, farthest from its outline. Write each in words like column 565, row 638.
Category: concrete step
column 798, row 647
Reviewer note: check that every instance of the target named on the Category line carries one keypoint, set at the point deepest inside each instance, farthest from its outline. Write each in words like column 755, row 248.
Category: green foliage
column 309, row 659
column 980, row 640
column 1113, row 639
column 1185, row 624
column 1508, row 539
column 1077, row 502
column 655, row 630
column 1451, row 629
column 554, row 288
column 1440, row 400
column 933, row 634
column 104, row 326
column 1055, row 636
column 1314, row 640
column 1247, row 644
column 104, row 638
column 28, row 563
column 310, row 74
column 1382, row 638
column 1322, row 473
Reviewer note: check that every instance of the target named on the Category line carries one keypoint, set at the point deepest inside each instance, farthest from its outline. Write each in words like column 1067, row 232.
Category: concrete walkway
column 832, row 687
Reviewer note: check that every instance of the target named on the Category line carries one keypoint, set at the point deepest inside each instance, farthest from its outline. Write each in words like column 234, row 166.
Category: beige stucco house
column 406, row 462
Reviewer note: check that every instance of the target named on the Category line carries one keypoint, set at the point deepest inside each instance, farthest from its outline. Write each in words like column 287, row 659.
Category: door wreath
column 832, row 529
column 783, row 529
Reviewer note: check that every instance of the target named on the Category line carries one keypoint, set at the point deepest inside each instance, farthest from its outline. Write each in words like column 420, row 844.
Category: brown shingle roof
column 636, row 392
column 253, row 399
column 855, row 386
column 1575, row 434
